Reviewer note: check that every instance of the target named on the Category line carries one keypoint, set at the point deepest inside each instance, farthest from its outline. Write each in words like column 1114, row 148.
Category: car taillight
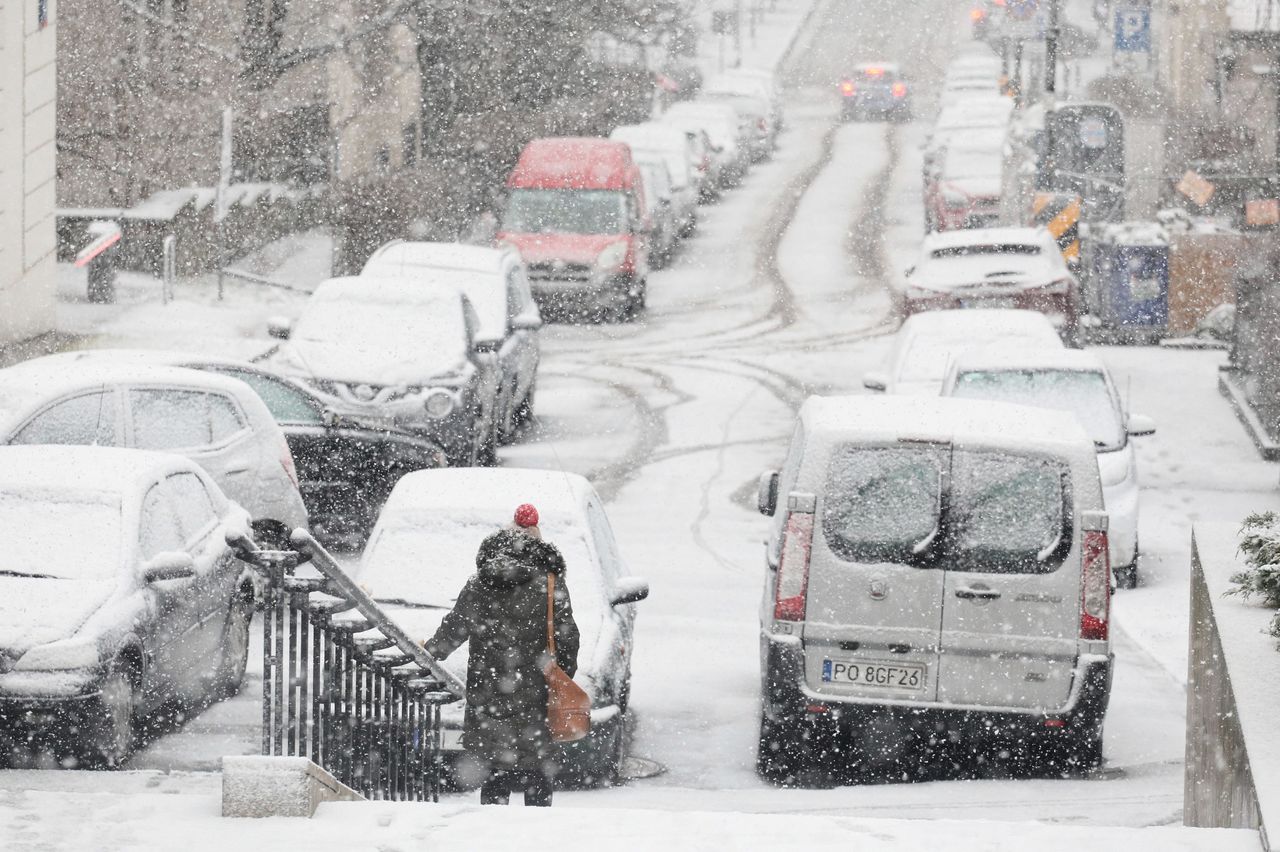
column 793, row 567
column 976, row 14
column 899, row 90
column 1095, row 586
column 286, row 462
column 848, row 89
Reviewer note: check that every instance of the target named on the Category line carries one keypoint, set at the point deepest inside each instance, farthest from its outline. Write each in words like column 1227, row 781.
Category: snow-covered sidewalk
column 155, row 821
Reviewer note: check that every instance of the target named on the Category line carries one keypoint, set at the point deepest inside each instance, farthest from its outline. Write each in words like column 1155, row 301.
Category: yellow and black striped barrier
column 1059, row 212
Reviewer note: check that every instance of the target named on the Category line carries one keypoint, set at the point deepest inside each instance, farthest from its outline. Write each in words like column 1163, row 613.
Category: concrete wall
column 27, row 93
column 1232, row 774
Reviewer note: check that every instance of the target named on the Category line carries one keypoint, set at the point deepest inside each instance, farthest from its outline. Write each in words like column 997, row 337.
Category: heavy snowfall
column 942, row 623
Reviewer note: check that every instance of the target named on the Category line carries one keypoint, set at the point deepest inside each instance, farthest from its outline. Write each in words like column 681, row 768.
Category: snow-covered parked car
column 215, row 421
column 729, row 136
column 118, row 594
column 658, row 197
column 494, row 280
column 936, row 574
column 346, row 461
column 673, row 145
column 390, row 348
column 964, row 186
column 993, row 268
column 423, row 550
column 1078, row 383
column 924, row 347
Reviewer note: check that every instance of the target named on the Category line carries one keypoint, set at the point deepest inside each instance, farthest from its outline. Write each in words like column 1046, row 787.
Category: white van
column 937, row 568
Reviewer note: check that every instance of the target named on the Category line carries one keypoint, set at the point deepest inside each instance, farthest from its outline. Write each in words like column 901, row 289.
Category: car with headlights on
column 1078, row 384
column 391, row 349
column 347, row 461
column 215, row 421
column 423, row 550
column 1016, row 268
column 496, row 283
column 118, row 597
column 875, row 90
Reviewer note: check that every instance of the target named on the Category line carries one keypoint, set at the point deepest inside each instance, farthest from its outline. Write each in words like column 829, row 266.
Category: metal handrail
column 306, row 544
column 354, row 694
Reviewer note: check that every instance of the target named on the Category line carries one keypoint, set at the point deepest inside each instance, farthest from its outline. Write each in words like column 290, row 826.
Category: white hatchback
column 1078, row 383
column 423, row 550
column 216, row 421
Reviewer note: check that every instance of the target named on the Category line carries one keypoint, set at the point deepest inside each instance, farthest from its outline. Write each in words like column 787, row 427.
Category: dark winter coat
column 502, row 611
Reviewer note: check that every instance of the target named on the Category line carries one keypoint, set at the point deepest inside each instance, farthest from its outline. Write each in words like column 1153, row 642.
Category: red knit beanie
column 526, row 515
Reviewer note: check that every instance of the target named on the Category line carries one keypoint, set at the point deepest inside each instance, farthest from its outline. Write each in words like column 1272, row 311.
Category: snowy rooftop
column 984, row 323
column 981, row 236
column 455, row 256
column 381, row 290
column 1021, row 357
column 489, row 492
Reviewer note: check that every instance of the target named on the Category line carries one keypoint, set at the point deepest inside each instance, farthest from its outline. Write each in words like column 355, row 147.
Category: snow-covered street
column 782, row 293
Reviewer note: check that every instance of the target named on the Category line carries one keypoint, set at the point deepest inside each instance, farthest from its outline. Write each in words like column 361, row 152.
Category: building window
column 42, row 13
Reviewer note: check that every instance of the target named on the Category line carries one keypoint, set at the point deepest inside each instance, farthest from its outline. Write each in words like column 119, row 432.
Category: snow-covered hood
column 569, row 248
column 36, row 611
column 352, row 362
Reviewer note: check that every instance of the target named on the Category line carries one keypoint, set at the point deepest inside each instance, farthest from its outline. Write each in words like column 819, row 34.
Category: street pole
column 221, row 200
column 1051, row 50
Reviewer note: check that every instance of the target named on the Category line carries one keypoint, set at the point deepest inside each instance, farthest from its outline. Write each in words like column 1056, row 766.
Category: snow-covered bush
column 1260, row 544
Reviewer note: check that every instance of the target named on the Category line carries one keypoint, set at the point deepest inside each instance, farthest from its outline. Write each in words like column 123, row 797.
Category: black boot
column 497, row 790
column 537, row 791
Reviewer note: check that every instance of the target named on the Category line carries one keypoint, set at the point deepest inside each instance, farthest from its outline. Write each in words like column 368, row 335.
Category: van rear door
column 874, row 604
column 1011, row 609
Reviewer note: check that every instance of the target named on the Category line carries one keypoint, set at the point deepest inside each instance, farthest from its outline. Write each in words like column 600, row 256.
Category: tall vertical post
column 222, row 198
column 1051, row 50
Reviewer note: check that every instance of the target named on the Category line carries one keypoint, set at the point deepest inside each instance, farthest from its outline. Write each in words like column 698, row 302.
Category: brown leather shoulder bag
column 568, row 705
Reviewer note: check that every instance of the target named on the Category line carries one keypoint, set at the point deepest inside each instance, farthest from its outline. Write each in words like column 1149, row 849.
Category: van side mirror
column 767, row 493
column 875, row 382
column 170, row 565
column 486, row 345
column 527, row 321
column 629, row 590
column 1140, row 426
column 280, row 327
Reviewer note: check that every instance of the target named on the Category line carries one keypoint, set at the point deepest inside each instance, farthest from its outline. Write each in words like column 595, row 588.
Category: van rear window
column 931, row 507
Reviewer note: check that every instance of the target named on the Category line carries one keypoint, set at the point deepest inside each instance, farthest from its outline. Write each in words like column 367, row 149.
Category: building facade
column 28, row 86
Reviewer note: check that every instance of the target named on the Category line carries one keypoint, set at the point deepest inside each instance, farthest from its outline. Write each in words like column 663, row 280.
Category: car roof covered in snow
column 1022, row 358
column 146, row 357
column 977, row 323
column 974, row 423
column 983, row 236
column 573, row 162
column 489, row 493
column 444, row 256
column 383, row 290
column 28, row 385
column 109, row 470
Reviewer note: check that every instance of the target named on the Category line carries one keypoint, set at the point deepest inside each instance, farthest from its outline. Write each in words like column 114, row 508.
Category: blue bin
column 1131, row 283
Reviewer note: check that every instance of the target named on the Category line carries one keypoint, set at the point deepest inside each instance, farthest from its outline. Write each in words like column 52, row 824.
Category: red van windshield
column 565, row 211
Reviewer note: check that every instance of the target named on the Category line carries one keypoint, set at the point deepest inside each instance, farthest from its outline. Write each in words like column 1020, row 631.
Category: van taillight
column 793, row 567
column 1095, row 586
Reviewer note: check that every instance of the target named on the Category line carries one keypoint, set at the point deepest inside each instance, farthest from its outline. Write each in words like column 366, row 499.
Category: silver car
column 215, row 421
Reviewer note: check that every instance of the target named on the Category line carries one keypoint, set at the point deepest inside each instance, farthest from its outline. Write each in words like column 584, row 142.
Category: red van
column 574, row 211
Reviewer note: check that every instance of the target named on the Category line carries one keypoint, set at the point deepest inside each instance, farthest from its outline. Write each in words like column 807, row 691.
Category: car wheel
column 635, row 301
column 235, row 647
column 110, row 720
column 1127, row 575
column 487, row 452
column 524, row 411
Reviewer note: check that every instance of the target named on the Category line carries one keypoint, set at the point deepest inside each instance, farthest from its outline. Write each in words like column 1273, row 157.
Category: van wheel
column 781, row 755
column 524, row 411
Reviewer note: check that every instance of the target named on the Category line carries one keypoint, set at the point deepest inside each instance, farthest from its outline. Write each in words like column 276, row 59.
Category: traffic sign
column 1133, row 29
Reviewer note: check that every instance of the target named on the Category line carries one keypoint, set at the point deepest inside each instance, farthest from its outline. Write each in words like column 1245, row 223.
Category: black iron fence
column 342, row 684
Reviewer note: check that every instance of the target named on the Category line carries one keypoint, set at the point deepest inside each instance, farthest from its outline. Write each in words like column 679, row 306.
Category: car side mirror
column 170, row 565
column 1140, row 426
column 629, row 590
column 908, row 272
column 485, row 346
column 875, row 382
column 280, row 327
column 767, row 493
column 528, row 321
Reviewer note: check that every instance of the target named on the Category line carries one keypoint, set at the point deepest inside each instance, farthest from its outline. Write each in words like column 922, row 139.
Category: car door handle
column 977, row 594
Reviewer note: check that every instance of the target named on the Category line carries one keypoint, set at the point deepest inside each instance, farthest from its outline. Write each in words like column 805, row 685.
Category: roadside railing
column 342, row 684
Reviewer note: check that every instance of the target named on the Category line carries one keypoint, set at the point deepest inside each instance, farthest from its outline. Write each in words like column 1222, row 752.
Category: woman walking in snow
column 502, row 612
